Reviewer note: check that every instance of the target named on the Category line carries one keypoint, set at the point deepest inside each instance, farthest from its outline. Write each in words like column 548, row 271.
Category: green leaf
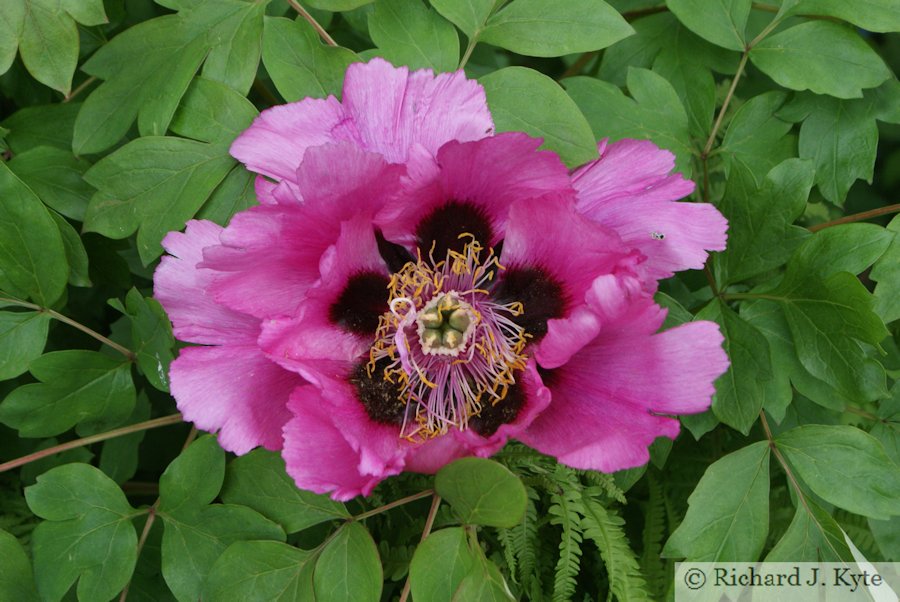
column 32, row 255
column 722, row 22
column 16, row 578
column 408, row 33
column 193, row 542
column 235, row 193
column 349, row 567
column 261, row 571
column 151, row 338
column 654, row 112
column 194, row 478
column 87, row 534
column 119, row 456
column 484, row 583
column 524, row 100
column 539, row 28
column 259, row 480
column 812, row 536
column 195, row 534
column 887, row 430
column 757, row 140
column 212, row 112
column 86, row 12
column 770, row 320
column 844, row 466
column 826, row 318
column 23, row 335
column 338, row 5
column 841, row 138
column 728, row 514
column 299, row 64
column 49, row 44
column 482, row 492
column 440, row 564
column 886, row 272
column 872, row 15
column 155, row 185
column 55, row 175
column 469, row 15
column 887, row 536
column 76, row 255
column 11, row 20
column 760, row 234
column 75, row 387
column 46, row 125
column 750, row 381
column 820, row 56
column 147, row 68
column 845, row 248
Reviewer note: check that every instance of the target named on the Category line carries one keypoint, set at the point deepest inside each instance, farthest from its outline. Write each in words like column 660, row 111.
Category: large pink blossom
column 413, row 289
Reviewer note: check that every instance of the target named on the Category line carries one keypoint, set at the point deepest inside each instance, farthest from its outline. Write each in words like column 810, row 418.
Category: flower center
column 447, row 346
column 445, row 325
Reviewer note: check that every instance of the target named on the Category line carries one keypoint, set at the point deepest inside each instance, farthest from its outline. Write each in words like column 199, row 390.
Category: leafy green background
column 115, row 120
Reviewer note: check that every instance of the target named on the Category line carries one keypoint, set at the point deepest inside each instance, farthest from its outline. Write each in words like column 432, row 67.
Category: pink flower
column 413, row 289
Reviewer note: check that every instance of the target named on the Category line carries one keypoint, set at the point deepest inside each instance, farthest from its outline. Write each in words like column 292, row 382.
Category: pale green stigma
column 445, row 324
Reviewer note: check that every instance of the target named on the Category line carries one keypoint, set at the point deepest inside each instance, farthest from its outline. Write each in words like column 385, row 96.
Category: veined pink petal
column 535, row 400
column 270, row 254
column 313, row 340
column 321, row 458
column 235, row 391
column 183, row 290
column 609, row 398
column 489, row 174
column 630, row 189
column 274, row 145
column 393, row 109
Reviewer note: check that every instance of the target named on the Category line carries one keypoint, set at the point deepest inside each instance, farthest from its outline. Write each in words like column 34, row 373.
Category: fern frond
column 604, row 528
column 566, row 509
column 652, row 564
column 604, row 481
column 507, row 540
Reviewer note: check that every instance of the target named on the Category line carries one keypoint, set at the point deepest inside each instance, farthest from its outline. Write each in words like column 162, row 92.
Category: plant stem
column 429, row 523
column 750, row 296
column 315, row 24
column 151, row 517
column 718, row 124
column 469, row 48
column 81, row 88
column 790, row 475
column 579, row 64
column 857, row 217
column 400, row 502
column 125, row 430
column 66, row 320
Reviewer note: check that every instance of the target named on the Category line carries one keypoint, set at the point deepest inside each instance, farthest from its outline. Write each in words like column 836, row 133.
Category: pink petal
column 275, row 143
column 537, row 400
column 492, row 174
column 392, row 109
column 311, row 341
column 235, row 391
column 629, row 189
column 354, row 453
column 183, row 290
column 270, row 254
column 434, row 454
column 608, row 397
